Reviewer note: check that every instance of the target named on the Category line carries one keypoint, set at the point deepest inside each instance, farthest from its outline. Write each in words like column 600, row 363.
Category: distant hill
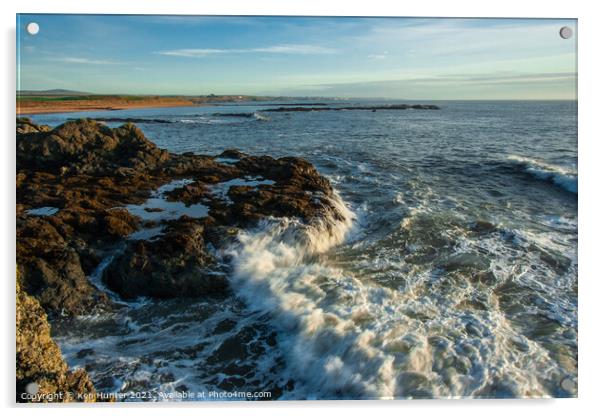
column 57, row 92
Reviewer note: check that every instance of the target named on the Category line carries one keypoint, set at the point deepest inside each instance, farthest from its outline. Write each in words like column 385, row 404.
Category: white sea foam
column 260, row 117
column 564, row 177
column 346, row 337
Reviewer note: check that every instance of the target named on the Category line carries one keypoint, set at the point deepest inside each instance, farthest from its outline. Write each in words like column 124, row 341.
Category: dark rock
column 50, row 269
column 90, row 172
column 174, row 265
column 357, row 107
column 232, row 154
column 86, row 146
column 189, row 194
column 483, row 227
column 119, row 222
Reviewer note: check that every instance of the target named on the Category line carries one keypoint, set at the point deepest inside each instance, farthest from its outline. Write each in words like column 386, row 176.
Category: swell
column 563, row 177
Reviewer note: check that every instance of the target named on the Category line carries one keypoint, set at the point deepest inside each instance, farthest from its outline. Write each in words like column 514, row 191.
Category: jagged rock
column 174, row 265
column 50, row 269
column 26, row 126
column 39, row 364
column 89, row 172
column 86, row 146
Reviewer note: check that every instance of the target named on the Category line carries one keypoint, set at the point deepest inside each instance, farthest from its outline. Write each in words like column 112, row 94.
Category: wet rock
column 39, row 363
column 466, row 261
column 483, row 227
column 91, row 172
column 232, row 154
column 176, row 264
column 50, row 269
column 189, row 194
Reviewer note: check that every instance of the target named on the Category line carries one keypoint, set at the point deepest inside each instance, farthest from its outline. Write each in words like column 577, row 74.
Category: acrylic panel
column 292, row 208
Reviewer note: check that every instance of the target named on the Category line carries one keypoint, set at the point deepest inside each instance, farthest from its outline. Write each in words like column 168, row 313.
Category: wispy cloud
column 287, row 49
column 459, row 86
column 85, row 61
column 379, row 55
column 460, row 79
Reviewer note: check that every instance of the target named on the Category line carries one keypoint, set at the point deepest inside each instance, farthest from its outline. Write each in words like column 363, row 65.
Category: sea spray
column 274, row 273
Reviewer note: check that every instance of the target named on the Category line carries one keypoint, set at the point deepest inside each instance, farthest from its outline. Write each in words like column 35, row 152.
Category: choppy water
column 454, row 273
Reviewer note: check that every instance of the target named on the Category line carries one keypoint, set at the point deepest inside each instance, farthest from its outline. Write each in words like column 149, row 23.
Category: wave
column 201, row 120
column 222, row 118
column 260, row 117
column 563, row 177
column 343, row 336
column 273, row 273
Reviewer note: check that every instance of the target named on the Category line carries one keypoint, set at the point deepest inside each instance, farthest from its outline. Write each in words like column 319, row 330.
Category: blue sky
column 398, row 58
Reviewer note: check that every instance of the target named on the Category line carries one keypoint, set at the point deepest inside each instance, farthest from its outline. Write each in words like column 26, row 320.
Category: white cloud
column 86, row 61
column 379, row 55
column 296, row 49
column 288, row 49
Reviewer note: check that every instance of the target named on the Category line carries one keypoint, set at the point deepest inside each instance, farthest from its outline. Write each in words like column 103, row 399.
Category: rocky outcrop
column 83, row 192
column 357, row 107
column 86, row 146
column 89, row 174
column 42, row 374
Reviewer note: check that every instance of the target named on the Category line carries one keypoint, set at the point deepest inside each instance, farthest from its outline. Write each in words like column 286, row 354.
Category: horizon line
column 290, row 96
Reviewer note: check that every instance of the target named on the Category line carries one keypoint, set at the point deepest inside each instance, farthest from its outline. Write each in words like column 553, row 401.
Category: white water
column 561, row 176
column 346, row 337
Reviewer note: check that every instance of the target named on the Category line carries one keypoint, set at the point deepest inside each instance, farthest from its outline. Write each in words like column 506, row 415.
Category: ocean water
column 453, row 272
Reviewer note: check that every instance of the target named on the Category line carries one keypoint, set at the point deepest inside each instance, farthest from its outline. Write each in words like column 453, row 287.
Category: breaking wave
column 563, row 177
column 345, row 337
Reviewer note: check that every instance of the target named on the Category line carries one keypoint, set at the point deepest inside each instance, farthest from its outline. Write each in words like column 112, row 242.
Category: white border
column 589, row 202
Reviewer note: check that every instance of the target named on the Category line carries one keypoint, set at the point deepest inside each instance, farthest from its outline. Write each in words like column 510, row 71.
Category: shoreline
column 89, row 107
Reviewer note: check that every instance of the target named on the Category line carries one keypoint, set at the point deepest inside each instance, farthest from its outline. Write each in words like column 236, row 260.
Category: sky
column 394, row 58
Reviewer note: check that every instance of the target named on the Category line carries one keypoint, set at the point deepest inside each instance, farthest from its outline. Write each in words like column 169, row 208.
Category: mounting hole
column 566, row 32
column 33, row 28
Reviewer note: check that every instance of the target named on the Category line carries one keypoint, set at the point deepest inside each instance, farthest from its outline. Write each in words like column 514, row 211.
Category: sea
column 452, row 273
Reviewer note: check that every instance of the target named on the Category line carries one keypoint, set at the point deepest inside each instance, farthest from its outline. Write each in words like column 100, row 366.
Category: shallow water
column 453, row 275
